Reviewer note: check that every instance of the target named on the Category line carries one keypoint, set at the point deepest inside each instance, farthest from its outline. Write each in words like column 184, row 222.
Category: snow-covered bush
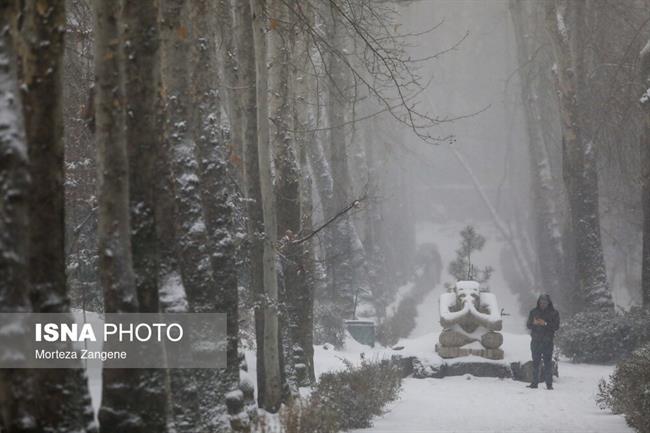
column 305, row 416
column 604, row 336
column 345, row 400
column 628, row 390
column 357, row 394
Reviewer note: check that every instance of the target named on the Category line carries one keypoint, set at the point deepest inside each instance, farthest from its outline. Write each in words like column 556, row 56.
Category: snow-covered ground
column 485, row 404
column 481, row 404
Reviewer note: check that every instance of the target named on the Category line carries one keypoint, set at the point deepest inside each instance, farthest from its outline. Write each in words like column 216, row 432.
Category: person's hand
column 538, row 321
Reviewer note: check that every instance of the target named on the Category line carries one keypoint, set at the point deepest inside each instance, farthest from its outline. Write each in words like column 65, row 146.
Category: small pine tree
column 462, row 267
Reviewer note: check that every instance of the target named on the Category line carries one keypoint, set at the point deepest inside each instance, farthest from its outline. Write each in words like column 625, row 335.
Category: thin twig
column 339, row 214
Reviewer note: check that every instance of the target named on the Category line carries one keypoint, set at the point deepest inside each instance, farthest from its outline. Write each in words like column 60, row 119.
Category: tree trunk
column 287, row 190
column 374, row 242
column 231, row 73
column 247, row 94
column 302, row 114
column 345, row 256
column 271, row 372
column 337, row 101
column 62, row 397
column 118, row 412
column 579, row 170
column 18, row 410
column 332, row 309
column 551, row 256
column 116, row 271
column 143, row 141
column 141, row 61
column 341, row 257
column 645, row 176
column 215, row 186
column 197, row 404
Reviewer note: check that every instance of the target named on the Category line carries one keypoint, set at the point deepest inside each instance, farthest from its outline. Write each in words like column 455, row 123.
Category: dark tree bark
column 215, row 186
column 116, row 270
column 179, row 161
column 287, row 190
column 18, row 410
column 119, row 409
column 199, row 404
column 62, row 395
column 143, row 141
column 140, row 40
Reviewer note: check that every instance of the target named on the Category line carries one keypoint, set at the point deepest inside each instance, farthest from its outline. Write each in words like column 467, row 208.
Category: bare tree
column 287, row 185
column 115, row 263
column 246, row 93
column 565, row 24
column 140, row 38
column 230, row 71
column 143, row 141
column 272, row 376
column 548, row 235
column 132, row 399
column 302, row 256
column 216, row 189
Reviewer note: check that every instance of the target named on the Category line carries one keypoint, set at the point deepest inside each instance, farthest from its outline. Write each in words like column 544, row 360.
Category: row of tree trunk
column 206, row 117
column 164, row 198
column 561, row 51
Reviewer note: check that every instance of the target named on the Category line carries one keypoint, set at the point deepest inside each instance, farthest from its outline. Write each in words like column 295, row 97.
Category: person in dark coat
column 543, row 321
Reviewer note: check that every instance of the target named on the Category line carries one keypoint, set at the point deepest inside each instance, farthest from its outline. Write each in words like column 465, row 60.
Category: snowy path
column 456, row 404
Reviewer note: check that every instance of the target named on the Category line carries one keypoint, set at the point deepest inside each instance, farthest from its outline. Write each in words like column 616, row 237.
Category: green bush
column 603, row 337
column 345, row 400
column 628, row 390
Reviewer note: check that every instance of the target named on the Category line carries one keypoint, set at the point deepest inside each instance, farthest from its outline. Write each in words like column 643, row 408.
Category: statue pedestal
column 479, row 369
column 457, row 352
column 419, row 359
column 421, row 369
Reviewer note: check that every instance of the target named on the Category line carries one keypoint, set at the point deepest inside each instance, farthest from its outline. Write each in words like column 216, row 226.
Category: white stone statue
column 471, row 320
